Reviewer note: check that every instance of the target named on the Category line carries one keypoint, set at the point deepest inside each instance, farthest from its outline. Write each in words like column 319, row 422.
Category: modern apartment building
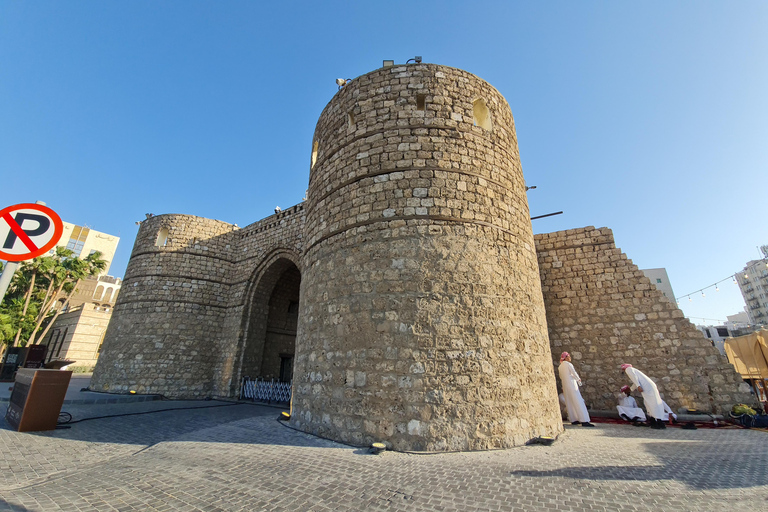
column 660, row 280
column 753, row 282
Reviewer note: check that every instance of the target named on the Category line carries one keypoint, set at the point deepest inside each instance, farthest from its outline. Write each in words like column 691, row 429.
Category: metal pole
column 547, row 215
column 7, row 277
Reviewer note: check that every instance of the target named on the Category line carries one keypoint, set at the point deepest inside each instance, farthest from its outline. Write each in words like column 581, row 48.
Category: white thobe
column 577, row 411
column 628, row 407
column 653, row 403
column 667, row 412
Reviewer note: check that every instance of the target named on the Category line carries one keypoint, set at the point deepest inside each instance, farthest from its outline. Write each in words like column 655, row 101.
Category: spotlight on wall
column 278, row 209
column 416, row 59
column 388, row 63
column 149, row 215
column 530, row 188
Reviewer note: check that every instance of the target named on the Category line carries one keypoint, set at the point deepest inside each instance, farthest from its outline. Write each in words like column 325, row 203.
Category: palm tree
column 6, row 328
column 57, row 277
column 42, row 265
column 78, row 270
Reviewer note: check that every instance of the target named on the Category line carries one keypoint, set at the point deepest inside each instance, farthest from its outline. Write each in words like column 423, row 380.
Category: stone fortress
column 407, row 295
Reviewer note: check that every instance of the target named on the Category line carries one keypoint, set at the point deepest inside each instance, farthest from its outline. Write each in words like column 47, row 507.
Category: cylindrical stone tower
column 422, row 319
column 164, row 334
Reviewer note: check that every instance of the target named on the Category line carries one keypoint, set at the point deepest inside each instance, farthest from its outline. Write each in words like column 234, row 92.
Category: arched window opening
column 351, row 120
column 314, row 155
column 162, row 238
column 108, row 295
column 98, row 293
column 481, row 116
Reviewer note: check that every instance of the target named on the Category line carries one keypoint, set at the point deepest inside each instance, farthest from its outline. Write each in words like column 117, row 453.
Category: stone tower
column 421, row 317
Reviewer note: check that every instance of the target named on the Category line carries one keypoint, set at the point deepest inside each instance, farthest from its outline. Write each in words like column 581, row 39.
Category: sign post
column 27, row 230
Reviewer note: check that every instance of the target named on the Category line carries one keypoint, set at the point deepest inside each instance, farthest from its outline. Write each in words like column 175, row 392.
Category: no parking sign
column 28, row 230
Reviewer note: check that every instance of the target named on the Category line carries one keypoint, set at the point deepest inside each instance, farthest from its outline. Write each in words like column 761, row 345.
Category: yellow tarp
column 749, row 354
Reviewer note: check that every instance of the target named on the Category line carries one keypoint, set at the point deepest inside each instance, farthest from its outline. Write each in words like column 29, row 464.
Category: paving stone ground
column 225, row 457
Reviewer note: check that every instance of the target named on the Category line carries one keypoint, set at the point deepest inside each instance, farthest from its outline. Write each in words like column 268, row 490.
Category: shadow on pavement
column 698, row 464
column 193, row 421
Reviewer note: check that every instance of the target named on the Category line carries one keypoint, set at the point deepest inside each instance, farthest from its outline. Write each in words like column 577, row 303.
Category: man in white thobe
column 669, row 415
column 653, row 402
column 628, row 408
column 577, row 411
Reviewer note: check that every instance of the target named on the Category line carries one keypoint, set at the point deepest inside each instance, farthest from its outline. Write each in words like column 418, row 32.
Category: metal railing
column 269, row 391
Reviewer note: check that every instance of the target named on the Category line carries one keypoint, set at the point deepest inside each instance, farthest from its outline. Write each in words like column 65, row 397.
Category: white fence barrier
column 265, row 390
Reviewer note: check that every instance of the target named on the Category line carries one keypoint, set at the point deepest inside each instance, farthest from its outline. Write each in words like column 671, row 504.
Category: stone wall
column 422, row 321
column 605, row 312
column 178, row 326
column 424, row 314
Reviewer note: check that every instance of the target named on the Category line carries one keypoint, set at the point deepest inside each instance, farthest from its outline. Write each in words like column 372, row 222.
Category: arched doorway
column 273, row 315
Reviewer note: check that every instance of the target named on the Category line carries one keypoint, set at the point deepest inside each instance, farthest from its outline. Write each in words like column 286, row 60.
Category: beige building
column 83, row 241
column 78, row 331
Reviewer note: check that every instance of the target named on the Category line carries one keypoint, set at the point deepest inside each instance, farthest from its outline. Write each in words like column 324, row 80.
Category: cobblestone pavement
column 238, row 457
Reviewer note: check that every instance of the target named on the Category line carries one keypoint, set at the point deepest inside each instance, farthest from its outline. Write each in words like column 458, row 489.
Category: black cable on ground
column 70, row 422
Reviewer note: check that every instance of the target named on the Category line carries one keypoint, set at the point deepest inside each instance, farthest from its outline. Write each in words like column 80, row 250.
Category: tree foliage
column 28, row 308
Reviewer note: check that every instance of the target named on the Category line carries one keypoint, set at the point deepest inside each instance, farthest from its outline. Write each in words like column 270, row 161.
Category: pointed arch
column 270, row 318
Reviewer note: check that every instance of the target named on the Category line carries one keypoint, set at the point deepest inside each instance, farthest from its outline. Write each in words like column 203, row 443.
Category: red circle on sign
column 34, row 252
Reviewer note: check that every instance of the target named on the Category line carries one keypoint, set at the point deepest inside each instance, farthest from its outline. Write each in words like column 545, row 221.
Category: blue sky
column 649, row 118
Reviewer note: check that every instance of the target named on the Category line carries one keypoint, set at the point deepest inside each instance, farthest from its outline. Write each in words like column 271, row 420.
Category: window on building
column 314, row 155
column 706, row 331
column 61, row 344
column 421, row 102
column 658, row 281
column 722, row 332
column 350, row 120
column 481, row 116
column 77, row 240
column 162, row 237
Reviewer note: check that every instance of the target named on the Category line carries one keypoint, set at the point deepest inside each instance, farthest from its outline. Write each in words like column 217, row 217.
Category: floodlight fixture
column 388, row 63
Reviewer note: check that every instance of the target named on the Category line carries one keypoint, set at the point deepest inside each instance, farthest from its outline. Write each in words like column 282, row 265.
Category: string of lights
column 733, row 277
column 716, row 320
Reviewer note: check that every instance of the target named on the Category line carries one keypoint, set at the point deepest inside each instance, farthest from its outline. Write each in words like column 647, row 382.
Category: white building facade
column 753, row 283
column 660, row 280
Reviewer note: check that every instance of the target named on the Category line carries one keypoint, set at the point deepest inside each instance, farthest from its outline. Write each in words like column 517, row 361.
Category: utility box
column 35, row 356
column 13, row 359
column 36, row 399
